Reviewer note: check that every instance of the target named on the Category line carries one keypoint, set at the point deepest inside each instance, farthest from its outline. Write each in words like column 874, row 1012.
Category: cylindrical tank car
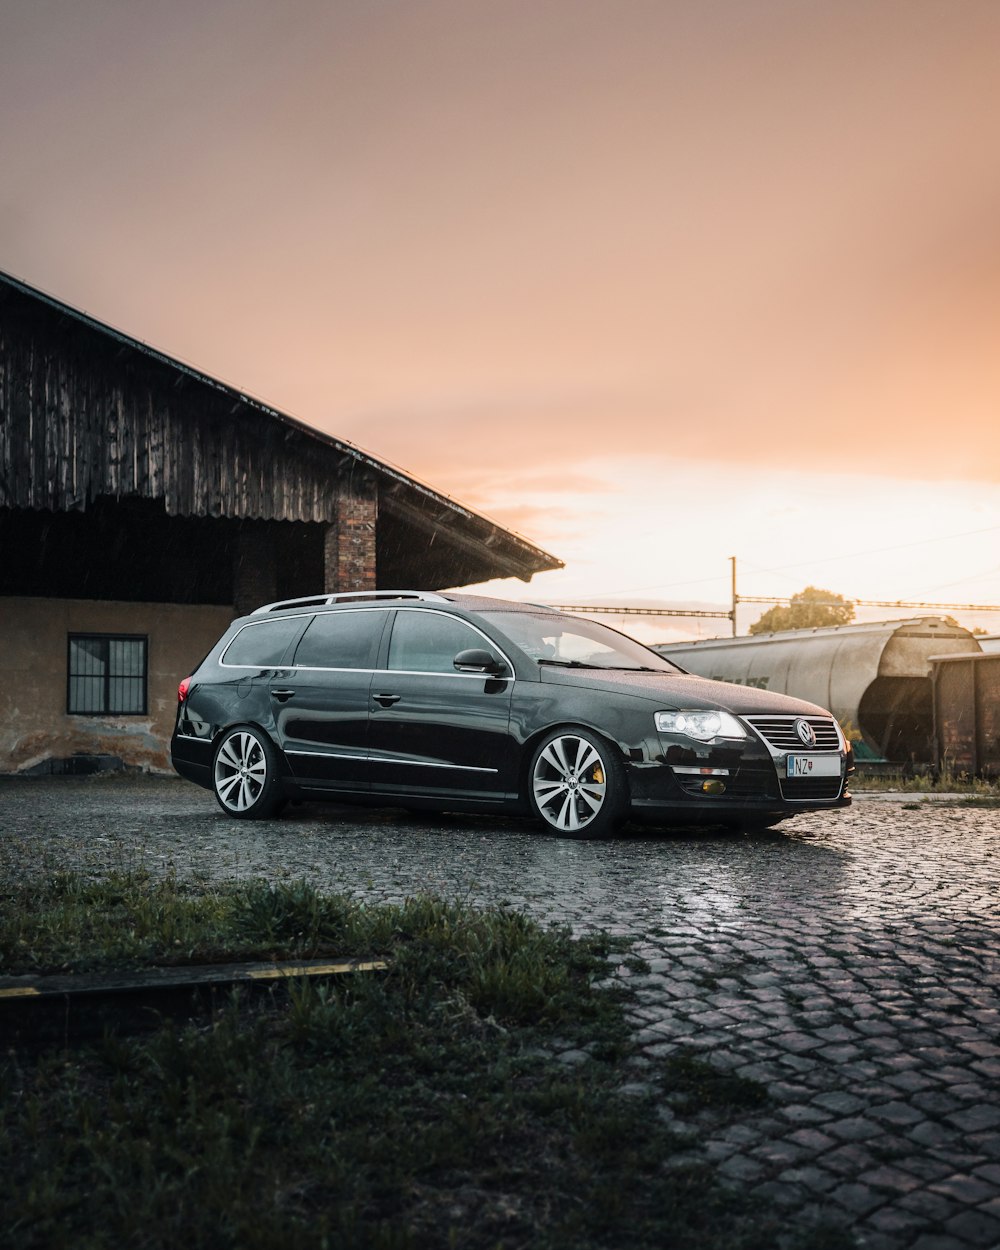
column 874, row 677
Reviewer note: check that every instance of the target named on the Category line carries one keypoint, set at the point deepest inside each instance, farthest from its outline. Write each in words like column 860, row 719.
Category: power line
column 726, row 614
column 871, row 603
column 851, row 555
column 737, row 599
column 606, row 611
column 874, row 551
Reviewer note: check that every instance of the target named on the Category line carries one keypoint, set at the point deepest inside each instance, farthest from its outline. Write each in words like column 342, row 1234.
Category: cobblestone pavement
column 849, row 962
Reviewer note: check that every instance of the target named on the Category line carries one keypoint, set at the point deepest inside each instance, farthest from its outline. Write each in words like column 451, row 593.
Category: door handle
column 386, row 700
column 282, row 695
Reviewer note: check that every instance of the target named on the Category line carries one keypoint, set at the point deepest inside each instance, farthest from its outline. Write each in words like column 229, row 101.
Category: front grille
column 799, row 789
column 753, row 782
column 780, row 734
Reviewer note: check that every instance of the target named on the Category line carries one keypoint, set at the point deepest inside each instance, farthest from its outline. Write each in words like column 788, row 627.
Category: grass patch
column 70, row 923
column 946, row 782
column 424, row 1107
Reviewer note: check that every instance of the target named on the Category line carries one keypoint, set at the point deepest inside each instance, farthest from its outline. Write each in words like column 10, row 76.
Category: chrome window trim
column 404, row 672
column 393, row 607
column 430, row 672
column 399, row 672
column 257, row 668
column 317, row 668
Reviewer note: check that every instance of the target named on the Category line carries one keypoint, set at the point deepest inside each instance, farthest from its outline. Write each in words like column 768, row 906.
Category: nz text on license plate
column 813, row 766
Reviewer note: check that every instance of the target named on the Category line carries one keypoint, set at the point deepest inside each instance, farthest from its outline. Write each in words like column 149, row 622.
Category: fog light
column 713, row 787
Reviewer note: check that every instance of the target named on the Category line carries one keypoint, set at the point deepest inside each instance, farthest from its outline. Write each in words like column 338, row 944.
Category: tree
column 808, row 609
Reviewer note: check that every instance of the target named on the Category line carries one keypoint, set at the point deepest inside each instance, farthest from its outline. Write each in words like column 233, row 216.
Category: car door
column 435, row 732
column 321, row 706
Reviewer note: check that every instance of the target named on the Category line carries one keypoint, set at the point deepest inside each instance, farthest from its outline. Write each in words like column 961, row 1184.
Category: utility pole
column 732, row 561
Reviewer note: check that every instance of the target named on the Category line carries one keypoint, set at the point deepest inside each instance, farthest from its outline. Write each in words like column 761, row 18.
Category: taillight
column 182, row 689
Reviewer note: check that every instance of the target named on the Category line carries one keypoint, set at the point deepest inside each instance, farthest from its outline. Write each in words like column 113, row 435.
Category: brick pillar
column 349, row 543
column 255, row 568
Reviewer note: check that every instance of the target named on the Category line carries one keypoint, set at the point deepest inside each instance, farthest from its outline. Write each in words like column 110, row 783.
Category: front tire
column 245, row 775
column 577, row 785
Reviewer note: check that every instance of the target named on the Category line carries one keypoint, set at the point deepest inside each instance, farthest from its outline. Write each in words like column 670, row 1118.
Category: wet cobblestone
column 848, row 962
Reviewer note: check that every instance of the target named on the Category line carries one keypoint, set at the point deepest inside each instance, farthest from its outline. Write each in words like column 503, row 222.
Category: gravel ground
column 847, row 961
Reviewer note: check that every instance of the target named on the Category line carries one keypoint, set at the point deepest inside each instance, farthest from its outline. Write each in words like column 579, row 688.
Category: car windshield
column 572, row 642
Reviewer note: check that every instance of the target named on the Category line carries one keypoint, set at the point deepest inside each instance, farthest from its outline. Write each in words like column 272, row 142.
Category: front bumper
column 725, row 781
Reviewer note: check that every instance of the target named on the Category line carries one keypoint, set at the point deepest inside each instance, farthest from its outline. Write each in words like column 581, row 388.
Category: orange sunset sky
column 652, row 283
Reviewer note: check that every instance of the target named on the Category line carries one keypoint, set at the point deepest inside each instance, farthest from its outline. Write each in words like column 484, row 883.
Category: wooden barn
column 143, row 504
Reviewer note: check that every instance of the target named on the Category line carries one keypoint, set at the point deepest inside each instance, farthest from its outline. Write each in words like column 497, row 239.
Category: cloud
column 568, row 525
column 639, row 281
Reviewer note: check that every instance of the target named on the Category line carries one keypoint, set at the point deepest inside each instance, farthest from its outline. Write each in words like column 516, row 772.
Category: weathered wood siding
column 79, row 420
column 88, row 413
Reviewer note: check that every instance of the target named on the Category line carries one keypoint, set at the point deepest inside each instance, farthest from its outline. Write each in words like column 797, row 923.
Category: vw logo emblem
column 806, row 733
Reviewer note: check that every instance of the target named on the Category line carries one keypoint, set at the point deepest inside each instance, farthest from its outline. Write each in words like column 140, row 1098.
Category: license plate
column 812, row 766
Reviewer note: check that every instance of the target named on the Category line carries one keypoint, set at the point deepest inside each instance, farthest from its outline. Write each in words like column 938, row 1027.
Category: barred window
column 106, row 674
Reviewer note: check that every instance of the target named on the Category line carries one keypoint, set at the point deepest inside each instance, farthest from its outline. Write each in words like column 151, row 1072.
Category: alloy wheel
column 240, row 771
column 569, row 783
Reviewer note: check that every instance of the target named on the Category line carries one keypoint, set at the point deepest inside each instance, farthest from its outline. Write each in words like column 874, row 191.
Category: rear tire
column 245, row 775
column 577, row 785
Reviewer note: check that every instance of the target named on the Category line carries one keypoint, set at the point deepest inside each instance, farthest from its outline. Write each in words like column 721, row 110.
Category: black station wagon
column 448, row 701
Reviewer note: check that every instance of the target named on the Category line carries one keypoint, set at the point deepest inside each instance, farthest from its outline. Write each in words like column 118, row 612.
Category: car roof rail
column 320, row 601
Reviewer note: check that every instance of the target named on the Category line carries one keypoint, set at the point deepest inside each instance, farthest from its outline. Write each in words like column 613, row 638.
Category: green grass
column 985, row 789
column 65, row 922
column 424, row 1107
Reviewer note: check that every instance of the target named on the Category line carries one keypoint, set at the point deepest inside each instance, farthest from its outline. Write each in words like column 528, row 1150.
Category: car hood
column 683, row 690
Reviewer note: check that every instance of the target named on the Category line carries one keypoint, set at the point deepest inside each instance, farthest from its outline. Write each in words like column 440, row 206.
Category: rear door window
column 341, row 640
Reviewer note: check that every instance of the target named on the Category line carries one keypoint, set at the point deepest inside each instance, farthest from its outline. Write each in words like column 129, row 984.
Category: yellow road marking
column 299, row 970
column 274, row 973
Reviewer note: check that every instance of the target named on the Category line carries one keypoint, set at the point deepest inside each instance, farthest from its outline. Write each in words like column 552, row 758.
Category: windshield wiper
column 568, row 664
column 607, row 668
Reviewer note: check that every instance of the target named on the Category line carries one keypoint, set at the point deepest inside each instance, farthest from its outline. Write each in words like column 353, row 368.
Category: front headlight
column 699, row 724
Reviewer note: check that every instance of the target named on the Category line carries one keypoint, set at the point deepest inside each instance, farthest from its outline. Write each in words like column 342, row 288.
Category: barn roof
column 122, row 418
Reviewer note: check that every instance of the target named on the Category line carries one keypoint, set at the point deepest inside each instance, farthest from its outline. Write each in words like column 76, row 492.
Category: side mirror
column 478, row 661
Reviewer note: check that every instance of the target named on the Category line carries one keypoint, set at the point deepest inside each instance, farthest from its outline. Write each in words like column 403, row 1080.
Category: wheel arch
column 258, row 728
column 531, row 745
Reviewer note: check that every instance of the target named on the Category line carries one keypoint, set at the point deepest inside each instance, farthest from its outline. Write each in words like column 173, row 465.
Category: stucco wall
column 34, row 724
